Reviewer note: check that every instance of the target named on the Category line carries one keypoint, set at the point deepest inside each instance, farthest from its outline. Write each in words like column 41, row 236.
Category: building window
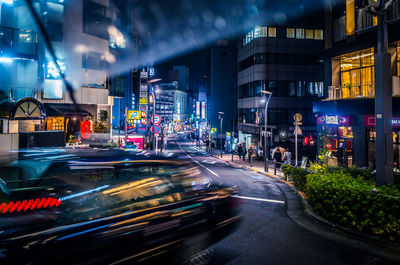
column 271, row 32
column 290, row 33
column 299, row 33
column 318, row 34
column 93, row 60
column 95, row 21
column 309, row 34
column 257, row 32
column 357, row 75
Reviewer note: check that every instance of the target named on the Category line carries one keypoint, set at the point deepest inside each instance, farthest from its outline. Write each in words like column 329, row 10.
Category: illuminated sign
column 198, row 110
column 143, row 74
column 134, row 115
column 143, row 101
column 144, row 114
column 369, row 121
column 203, row 110
column 331, row 119
column 151, row 71
column 179, row 109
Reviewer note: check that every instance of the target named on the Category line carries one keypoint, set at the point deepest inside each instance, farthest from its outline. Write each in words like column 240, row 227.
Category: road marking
column 209, row 170
column 258, row 199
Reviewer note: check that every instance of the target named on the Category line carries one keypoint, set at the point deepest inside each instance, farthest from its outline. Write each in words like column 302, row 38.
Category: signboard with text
column 369, row 121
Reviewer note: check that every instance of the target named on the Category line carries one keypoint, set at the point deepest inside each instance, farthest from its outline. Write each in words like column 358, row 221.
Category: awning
column 64, row 109
column 23, row 109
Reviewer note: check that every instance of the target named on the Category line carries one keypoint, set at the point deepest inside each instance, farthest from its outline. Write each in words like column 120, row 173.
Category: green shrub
column 355, row 203
column 297, row 174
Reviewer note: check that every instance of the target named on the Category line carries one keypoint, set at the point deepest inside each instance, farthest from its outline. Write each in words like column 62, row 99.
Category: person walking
column 251, row 151
column 260, row 153
column 278, row 157
column 244, row 152
column 287, row 157
column 240, row 151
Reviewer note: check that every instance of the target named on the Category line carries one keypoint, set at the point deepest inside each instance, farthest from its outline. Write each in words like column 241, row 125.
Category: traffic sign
column 157, row 119
column 156, row 129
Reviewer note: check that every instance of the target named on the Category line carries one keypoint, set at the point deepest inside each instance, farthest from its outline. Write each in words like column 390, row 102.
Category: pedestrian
column 251, row 151
column 260, row 153
column 244, row 152
column 161, row 143
column 287, row 157
column 240, row 151
column 278, row 157
column 207, row 145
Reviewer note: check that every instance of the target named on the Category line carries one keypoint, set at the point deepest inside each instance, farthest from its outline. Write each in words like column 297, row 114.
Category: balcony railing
column 362, row 91
column 18, row 43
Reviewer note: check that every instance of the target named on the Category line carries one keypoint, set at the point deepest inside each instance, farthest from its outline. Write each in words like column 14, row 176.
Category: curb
column 311, row 213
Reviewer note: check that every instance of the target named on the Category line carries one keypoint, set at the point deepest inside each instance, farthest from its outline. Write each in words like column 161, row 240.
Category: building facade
column 345, row 120
column 78, row 34
column 284, row 60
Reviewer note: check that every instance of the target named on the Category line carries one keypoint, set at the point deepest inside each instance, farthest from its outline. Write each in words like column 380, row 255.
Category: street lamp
column 153, row 94
column 268, row 95
column 221, row 117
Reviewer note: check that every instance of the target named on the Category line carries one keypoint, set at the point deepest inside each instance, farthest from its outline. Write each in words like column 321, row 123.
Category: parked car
column 109, row 207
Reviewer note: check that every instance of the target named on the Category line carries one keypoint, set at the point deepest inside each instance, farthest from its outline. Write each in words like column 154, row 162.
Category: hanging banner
column 85, row 129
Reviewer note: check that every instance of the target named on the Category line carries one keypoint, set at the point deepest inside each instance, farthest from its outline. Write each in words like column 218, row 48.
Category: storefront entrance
column 336, row 136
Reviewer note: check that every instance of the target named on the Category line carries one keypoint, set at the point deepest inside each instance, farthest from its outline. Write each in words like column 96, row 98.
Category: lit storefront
column 369, row 123
column 336, row 134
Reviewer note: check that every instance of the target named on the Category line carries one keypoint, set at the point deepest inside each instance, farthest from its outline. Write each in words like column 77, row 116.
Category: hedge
column 350, row 198
column 355, row 203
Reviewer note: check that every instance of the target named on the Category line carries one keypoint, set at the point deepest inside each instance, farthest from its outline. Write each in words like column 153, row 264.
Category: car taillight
column 28, row 205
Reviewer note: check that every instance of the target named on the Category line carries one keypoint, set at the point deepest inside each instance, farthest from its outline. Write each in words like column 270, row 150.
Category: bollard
column 274, row 167
column 251, row 161
column 232, row 156
column 266, row 165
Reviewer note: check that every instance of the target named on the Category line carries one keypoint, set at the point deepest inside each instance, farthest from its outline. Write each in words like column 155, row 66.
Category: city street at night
column 275, row 228
column 204, row 132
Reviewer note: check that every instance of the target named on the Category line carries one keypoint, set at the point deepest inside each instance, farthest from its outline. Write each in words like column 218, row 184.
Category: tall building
column 78, row 33
column 283, row 60
column 222, row 81
column 346, row 118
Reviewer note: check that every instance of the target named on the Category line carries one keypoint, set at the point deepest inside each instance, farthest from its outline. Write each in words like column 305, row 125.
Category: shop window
column 299, row 33
column 55, row 124
column 271, row 32
column 290, row 33
column 318, row 34
column 309, row 34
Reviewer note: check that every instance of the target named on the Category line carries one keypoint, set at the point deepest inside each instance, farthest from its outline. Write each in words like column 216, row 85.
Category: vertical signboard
column 203, row 110
column 197, row 110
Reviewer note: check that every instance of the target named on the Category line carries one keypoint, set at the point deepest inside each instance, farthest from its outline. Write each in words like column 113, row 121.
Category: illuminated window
column 357, row 74
column 309, row 34
column 299, row 33
column 318, row 34
column 271, row 32
column 398, row 58
column 290, row 33
column 257, row 32
column 350, row 18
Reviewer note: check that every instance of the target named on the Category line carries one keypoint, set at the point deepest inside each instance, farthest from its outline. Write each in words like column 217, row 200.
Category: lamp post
column 221, row 117
column 268, row 95
column 383, row 96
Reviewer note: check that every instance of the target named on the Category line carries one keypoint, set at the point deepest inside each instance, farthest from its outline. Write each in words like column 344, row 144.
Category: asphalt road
column 267, row 234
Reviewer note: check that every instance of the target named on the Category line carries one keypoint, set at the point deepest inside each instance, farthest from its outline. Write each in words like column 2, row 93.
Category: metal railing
column 354, row 92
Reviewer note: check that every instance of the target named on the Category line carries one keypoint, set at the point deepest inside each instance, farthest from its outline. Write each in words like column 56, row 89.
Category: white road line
column 209, row 170
column 258, row 199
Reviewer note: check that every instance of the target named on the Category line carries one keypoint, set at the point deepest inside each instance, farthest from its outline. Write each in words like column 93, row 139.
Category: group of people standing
column 279, row 154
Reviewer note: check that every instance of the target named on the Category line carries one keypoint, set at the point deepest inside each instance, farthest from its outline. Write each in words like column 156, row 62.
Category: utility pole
column 221, row 117
column 383, row 97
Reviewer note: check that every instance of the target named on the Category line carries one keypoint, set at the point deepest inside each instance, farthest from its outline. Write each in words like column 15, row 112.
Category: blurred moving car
column 108, row 207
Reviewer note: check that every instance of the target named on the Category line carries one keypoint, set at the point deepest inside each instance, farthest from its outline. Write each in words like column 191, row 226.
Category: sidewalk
column 257, row 165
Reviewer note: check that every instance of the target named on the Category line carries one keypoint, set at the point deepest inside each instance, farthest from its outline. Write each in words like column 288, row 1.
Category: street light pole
column 221, row 117
column 383, row 97
column 268, row 97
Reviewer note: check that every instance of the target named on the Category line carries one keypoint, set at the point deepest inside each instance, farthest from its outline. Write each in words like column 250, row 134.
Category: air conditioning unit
column 396, row 86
